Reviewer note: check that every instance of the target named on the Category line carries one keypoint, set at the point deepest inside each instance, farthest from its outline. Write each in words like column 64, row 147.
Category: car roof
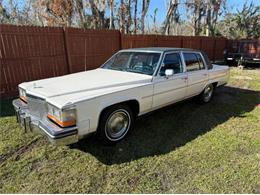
column 159, row 49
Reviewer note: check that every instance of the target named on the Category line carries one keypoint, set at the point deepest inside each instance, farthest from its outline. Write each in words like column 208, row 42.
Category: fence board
column 137, row 41
column 220, row 45
column 192, row 42
column 169, row 41
column 208, row 45
column 90, row 48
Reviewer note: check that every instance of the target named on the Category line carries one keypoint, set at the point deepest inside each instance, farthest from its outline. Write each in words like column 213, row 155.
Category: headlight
column 22, row 95
column 64, row 118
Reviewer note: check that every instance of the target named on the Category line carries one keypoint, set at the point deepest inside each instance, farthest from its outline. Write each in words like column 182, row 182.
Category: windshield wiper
column 120, row 69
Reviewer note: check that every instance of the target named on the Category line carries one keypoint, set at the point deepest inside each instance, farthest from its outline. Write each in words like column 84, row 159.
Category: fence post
column 214, row 49
column 67, row 52
column 120, row 40
column 201, row 43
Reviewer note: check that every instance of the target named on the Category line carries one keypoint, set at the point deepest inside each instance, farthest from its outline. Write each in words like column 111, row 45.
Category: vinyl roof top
column 159, row 49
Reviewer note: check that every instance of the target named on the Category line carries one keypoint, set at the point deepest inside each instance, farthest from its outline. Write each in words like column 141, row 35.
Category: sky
column 232, row 6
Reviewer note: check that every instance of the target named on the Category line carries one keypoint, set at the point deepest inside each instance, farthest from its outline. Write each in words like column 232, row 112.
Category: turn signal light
column 62, row 123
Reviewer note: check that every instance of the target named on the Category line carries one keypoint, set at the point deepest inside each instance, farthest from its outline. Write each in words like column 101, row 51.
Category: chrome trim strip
column 181, row 75
column 169, row 90
column 195, row 83
column 172, row 90
column 147, row 96
column 140, row 50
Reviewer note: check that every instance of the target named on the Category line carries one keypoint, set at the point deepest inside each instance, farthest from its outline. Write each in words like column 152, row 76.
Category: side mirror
column 169, row 72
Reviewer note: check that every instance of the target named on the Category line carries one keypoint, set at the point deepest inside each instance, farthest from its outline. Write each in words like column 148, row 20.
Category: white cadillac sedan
column 108, row 99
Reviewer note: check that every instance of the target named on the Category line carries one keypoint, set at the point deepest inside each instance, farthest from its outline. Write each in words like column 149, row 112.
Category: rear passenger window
column 192, row 62
column 208, row 63
column 202, row 65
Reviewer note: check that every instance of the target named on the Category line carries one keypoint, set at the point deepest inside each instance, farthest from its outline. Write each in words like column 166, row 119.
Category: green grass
column 184, row 148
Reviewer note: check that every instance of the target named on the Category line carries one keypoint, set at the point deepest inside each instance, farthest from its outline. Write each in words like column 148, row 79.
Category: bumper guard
column 54, row 133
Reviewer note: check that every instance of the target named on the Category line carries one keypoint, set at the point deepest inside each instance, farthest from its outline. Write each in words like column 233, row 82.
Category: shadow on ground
column 164, row 130
column 6, row 107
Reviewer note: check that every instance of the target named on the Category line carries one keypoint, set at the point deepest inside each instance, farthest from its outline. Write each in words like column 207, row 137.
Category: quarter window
column 171, row 61
column 192, row 62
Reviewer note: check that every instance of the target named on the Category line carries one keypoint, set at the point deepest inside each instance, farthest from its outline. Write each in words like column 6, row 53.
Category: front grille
column 37, row 106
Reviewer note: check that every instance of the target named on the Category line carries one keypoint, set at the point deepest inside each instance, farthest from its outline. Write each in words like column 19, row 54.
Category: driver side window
column 171, row 61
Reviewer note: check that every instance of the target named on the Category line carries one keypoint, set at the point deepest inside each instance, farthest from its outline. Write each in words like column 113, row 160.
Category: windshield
column 138, row 62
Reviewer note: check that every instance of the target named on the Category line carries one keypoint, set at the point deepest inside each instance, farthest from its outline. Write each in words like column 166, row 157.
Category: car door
column 170, row 89
column 197, row 73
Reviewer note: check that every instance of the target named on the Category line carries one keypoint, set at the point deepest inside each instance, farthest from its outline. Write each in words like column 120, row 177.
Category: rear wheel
column 207, row 94
column 115, row 123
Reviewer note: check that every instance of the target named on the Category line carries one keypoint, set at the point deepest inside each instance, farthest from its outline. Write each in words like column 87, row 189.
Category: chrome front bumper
column 54, row 133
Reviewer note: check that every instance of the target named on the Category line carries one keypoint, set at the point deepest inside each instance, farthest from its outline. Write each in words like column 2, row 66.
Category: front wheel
column 115, row 123
column 207, row 93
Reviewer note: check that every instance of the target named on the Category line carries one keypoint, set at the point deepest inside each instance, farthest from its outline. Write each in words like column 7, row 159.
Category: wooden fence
column 213, row 46
column 31, row 53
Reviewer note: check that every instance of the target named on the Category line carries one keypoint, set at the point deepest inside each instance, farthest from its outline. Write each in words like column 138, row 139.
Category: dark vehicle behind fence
column 243, row 52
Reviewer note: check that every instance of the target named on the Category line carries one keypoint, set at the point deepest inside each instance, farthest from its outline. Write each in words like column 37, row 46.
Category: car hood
column 92, row 83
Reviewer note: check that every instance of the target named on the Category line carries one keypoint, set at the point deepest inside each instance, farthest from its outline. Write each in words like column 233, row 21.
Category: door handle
column 205, row 74
column 184, row 78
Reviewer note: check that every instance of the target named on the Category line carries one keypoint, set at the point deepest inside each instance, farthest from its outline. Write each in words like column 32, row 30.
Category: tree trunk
column 171, row 12
column 145, row 7
column 135, row 17
column 122, row 16
column 80, row 10
column 111, row 9
column 208, row 22
column 98, row 15
column 129, row 17
column 198, row 10
column 143, row 16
